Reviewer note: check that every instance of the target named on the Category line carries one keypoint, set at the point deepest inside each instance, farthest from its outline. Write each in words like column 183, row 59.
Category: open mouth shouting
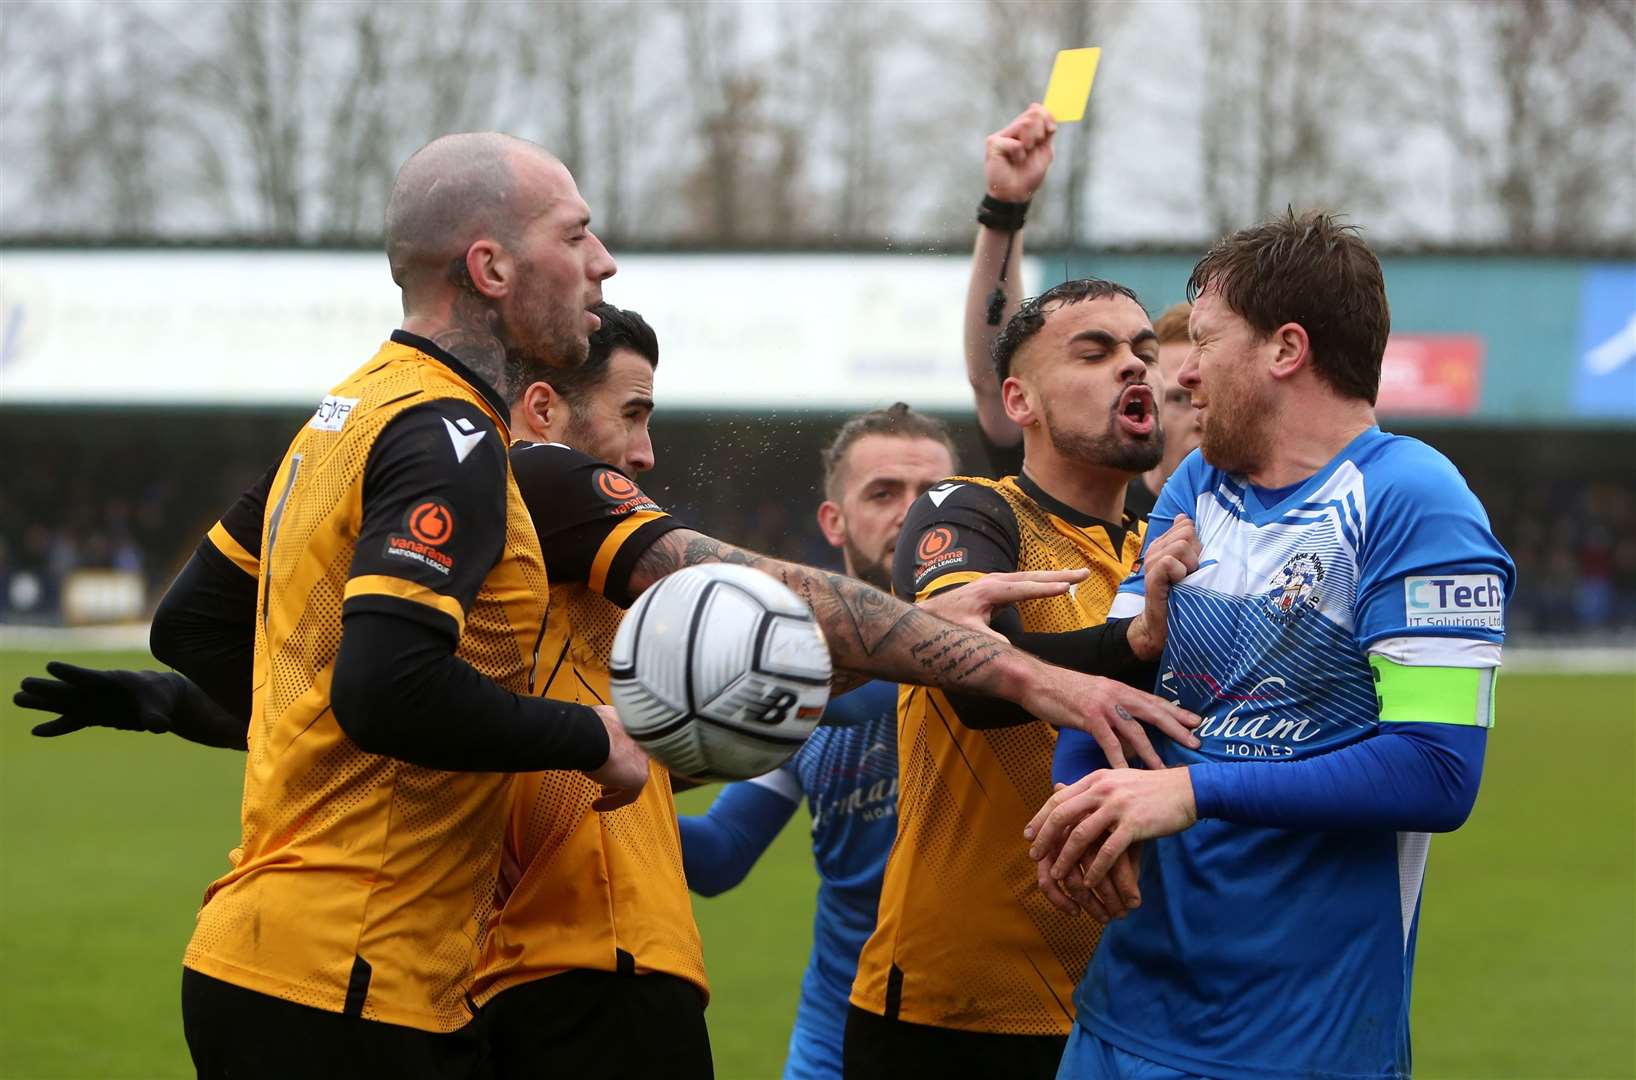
column 1136, row 410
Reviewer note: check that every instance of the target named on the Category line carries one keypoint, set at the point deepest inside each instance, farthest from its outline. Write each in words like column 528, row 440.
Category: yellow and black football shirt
column 964, row 937
column 583, row 890
column 362, row 883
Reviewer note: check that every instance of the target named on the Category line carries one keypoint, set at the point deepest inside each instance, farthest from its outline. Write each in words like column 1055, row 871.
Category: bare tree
column 259, row 80
column 1290, row 114
column 1565, row 81
column 1498, row 120
column 359, row 142
column 88, row 99
column 1531, row 101
column 749, row 181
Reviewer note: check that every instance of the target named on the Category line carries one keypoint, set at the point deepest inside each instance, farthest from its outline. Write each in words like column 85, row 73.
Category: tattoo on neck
column 475, row 334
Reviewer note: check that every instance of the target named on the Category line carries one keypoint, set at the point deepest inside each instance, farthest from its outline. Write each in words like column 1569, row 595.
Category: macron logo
column 941, row 492
column 464, row 435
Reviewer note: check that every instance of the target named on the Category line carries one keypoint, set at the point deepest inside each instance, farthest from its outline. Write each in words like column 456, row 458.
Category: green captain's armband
column 1434, row 695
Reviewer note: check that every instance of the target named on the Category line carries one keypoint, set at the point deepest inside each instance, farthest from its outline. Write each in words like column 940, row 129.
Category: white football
column 719, row 672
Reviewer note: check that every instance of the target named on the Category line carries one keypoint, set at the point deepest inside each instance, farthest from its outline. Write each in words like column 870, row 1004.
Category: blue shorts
column 1089, row 1058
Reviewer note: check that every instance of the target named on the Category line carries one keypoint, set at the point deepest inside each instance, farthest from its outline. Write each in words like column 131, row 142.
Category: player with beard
column 876, row 466
column 981, row 988
column 1015, row 163
column 380, row 591
column 595, row 934
column 1342, row 641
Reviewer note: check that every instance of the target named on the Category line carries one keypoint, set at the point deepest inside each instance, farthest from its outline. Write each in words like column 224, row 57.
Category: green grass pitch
column 1526, row 967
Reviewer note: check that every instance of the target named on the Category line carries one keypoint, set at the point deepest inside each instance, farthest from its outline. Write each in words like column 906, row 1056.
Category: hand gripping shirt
column 1281, row 952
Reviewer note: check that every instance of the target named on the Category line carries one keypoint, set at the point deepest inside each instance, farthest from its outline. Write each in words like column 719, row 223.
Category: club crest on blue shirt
column 1296, row 589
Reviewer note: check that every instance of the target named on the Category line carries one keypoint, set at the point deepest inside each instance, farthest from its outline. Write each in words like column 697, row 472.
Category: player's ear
column 1018, row 402
column 540, row 415
column 490, row 268
column 832, row 523
column 1289, row 350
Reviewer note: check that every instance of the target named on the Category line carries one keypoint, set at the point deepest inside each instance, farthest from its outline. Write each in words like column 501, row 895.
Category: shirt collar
column 1080, row 520
column 450, row 361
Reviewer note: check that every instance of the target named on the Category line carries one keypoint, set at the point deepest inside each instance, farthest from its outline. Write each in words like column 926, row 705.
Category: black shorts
column 240, row 1034
column 882, row 1049
column 598, row 1024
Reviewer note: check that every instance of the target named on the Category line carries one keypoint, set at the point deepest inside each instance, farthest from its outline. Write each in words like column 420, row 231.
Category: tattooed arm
column 869, row 633
column 878, row 636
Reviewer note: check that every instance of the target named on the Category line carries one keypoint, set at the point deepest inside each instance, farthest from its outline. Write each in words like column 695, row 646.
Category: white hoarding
column 280, row 327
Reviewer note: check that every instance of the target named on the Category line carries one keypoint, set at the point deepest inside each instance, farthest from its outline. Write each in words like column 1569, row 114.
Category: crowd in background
column 134, row 494
column 1574, row 543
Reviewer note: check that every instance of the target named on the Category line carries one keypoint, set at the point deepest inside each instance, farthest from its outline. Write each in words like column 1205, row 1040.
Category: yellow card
column 1070, row 86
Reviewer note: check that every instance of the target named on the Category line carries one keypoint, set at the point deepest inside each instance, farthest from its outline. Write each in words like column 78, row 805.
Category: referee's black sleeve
column 1003, row 461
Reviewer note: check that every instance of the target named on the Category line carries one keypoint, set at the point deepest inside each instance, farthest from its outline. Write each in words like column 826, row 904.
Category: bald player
column 389, row 591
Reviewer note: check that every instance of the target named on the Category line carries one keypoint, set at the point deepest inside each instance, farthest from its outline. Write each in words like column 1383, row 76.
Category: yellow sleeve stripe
column 1434, row 695
column 943, row 581
column 224, row 543
column 384, row 585
column 605, row 555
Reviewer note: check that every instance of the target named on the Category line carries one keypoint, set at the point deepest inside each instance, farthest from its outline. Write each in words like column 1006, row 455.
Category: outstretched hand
column 972, row 605
column 1108, row 711
column 85, row 697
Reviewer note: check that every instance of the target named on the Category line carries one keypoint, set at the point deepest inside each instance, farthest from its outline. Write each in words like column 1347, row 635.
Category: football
column 719, row 672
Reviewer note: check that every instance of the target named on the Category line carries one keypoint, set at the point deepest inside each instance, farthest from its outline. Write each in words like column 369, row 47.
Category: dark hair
column 1312, row 270
column 898, row 421
column 1031, row 316
column 620, row 329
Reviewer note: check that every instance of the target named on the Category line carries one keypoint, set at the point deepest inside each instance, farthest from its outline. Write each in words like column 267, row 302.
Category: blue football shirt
column 848, row 771
column 1277, row 952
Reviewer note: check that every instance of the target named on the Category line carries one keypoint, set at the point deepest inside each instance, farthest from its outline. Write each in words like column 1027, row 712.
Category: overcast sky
column 137, row 117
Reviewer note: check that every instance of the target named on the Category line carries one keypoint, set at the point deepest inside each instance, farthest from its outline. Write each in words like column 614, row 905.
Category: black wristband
column 1001, row 216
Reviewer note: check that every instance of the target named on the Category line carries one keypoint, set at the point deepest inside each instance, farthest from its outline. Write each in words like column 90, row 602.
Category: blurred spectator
column 1574, row 542
column 135, row 492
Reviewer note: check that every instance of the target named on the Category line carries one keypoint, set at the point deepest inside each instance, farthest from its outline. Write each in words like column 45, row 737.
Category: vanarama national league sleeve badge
column 936, row 552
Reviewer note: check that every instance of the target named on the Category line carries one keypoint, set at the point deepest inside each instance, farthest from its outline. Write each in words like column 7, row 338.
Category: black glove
column 127, row 700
